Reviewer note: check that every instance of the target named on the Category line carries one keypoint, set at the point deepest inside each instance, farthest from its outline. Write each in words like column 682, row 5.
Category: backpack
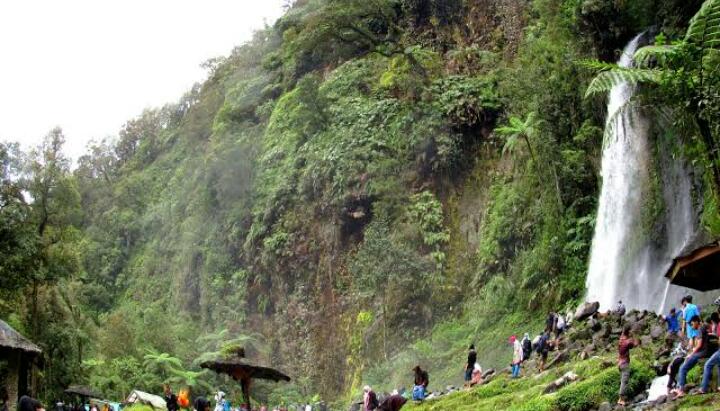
column 541, row 345
column 527, row 346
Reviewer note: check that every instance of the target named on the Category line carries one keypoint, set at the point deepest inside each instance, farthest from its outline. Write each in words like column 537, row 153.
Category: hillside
column 366, row 185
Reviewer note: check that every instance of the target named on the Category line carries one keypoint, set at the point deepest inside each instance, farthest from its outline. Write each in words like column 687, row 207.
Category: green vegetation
column 364, row 186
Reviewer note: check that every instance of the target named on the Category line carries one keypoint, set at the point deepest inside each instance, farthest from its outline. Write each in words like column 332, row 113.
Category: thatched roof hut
column 697, row 268
column 19, row 354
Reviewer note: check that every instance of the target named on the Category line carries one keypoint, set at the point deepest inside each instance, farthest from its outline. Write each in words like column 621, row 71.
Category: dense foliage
column 363, row 186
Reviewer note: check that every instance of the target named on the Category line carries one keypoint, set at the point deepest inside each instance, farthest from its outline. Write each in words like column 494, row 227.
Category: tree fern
column 606, row 80
column 704, row 29
column 657, row 55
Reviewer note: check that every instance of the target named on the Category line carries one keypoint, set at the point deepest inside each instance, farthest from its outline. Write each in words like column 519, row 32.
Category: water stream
column 628, row 262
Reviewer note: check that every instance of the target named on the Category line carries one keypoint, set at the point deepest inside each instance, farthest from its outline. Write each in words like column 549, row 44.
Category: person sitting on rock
column 713, row 352
column 422, row 380
column 677, row 358
column 699, row 351
column 370, row 400
column 624, row 346
column 477, row 375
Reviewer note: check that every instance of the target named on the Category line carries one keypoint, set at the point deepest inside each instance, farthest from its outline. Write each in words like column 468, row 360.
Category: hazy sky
column 90, row 65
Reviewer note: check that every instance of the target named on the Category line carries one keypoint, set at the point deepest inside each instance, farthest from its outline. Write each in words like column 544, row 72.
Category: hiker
column 620, row 309
column 517, row 356
column 624, row 346
column 714, row 324
column 422, row 380
column 551, row 322
column 543, row 348
column 477, row 376
column 690, row 310
column 699, row 351
column 673, row 323
column 559, row 329
column 170, row 398
column 370, row 400
column 392, row 403
column 713, row 352
column 220, row 401
column 29, row 404
column 471, row 360
column 527, row 347
column 201, row 404
column 678, row 357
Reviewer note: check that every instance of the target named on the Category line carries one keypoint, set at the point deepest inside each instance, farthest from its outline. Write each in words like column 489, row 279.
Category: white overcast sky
column 90, row 65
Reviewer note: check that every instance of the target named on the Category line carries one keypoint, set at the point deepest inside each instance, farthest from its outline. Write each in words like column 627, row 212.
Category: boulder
column 646, row 340
column 657, row 331
column 605, row 407
column 559, row 358
column 561, row 382
column 488, row 373
column 586, row 310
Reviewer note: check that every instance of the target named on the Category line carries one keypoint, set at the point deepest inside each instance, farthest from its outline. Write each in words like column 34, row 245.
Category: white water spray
column 626, row 262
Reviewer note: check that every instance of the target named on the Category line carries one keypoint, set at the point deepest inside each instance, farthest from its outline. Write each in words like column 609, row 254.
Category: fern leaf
column 704, row 30
column 659, row 55
column 606, row 80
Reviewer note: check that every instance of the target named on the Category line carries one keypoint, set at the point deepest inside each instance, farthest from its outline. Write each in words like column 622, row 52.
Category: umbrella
column 244, row 372
column 698, row 269
column 82, row 391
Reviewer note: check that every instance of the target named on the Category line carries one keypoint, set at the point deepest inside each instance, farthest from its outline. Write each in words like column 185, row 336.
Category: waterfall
column 627, row 263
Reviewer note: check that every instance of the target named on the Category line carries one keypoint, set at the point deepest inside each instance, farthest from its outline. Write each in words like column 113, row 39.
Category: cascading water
column 626, row 262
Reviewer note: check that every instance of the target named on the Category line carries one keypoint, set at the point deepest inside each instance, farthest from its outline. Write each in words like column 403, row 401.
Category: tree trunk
column 385, row 353
column 35, row 323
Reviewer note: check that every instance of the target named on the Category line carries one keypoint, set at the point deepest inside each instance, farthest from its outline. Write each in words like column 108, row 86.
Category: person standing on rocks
column 470, row 364
column 673, row 323
column 690, row 310
column 543, row 348
column 625, row 345
column 517, row 356
column 620, row 309
column 700, row 351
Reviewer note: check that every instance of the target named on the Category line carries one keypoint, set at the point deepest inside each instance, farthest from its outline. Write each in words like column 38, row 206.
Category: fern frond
column 704, row 30
column 605, row 81
column 596, row 65
column 659, row 55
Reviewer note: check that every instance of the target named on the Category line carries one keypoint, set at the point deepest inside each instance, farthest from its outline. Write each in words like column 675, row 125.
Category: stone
column 586, row 310
column 657, row 332
column 605, row 407
column 561, row 382
column 559, row 358
column 488, row 373
column 646, row 340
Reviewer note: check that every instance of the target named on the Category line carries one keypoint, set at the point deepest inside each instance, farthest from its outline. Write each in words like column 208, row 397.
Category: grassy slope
column 599, row 382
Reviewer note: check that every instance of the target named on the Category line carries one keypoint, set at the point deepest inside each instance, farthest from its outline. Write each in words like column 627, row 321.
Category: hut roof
column 238, row 369
column 698, row 268
column 9, row 338
column 82, row 391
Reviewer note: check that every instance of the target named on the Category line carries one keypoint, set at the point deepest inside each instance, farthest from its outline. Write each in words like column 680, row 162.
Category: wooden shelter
column 19, row 355
column 244, row 372
column 698, row 268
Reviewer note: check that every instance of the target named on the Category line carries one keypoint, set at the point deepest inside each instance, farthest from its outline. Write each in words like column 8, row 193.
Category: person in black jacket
column 170, row 398
column 370, row 400
column 470, row 364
